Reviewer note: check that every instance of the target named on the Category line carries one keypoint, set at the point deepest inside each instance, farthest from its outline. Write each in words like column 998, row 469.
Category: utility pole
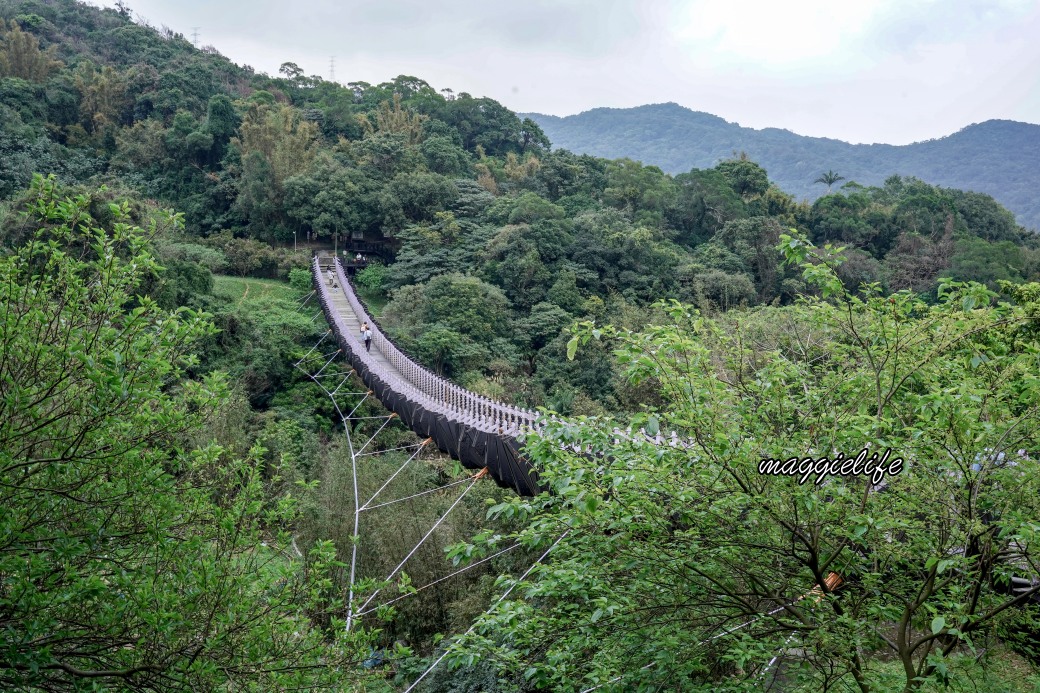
column 195, row 35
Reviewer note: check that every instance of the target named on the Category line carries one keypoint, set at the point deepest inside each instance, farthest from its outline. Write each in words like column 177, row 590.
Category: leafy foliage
column 484, row 245
column 687, row 564
column 132, row 558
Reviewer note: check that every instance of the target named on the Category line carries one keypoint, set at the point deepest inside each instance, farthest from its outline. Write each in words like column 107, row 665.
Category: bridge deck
column 476, row 431
column 341, row 305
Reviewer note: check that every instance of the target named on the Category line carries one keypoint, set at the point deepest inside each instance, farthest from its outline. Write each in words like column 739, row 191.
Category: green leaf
column 938, row 623
column 653, row 425
column 572, row 347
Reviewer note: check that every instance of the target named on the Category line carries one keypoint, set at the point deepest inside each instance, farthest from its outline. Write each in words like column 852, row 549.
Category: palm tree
column 829, row 179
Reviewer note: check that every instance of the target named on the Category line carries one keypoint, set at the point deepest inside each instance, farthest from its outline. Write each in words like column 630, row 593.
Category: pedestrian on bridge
column 366, row 334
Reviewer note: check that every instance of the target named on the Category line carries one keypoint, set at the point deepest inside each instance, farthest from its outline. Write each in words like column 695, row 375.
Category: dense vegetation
column 494, row 241
column 686, row 567
column 132, row 550
column 176, row 492
column 997, row 157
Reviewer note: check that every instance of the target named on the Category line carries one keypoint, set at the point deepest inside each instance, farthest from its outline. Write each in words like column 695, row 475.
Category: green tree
column 454, row 320
column 222, row 122
column 395, row 120
column 704, row 203
column 979, row 261
column 444, row 157
column 686, row 567
column 748, row 179
column 331, row 198
column 532, row 137
column 829, row 178
column 132, row 559
column 102, row 96
column 275, row 144
column 21, row 57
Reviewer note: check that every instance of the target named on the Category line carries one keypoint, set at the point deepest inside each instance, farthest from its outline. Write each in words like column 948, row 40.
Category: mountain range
column 998, row 157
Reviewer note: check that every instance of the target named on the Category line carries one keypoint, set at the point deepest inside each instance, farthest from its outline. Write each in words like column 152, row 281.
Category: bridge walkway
column 471, row 428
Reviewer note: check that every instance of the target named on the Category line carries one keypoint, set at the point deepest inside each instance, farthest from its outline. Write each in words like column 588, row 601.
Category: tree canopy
column 131, row 556
column 688, row 564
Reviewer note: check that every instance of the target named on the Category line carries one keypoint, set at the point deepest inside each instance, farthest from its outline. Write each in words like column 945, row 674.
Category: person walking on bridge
column 366, row 334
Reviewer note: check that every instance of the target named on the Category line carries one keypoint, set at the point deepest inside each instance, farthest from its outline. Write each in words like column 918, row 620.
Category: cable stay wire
column 333, row 375
column 346, row 377
column 307, row 355
column 778, row 655
column 417, row 495
column 390, row 417
column 472, row 482
column 358, row 405
column 833, row 581
column 614, row 680
column 403, row 447
column 332, row 357
column 394, row 475
column 439, row 580
column 489, row 610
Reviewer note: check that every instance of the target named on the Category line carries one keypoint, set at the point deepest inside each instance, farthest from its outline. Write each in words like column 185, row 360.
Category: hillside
column 998, row 157
column 182, row 490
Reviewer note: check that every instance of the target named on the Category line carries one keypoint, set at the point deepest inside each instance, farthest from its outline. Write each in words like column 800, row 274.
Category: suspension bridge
column 482, row 434
column 479, row 432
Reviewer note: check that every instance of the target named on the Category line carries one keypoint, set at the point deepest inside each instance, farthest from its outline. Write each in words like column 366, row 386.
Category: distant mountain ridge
column 998, row 157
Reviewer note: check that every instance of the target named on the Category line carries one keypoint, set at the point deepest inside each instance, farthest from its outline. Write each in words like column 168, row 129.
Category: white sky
column 858, row 70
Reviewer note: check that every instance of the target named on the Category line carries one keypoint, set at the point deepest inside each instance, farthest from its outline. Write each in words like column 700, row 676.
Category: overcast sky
column 894, row 71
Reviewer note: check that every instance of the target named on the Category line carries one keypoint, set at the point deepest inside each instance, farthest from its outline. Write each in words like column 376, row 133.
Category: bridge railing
column 455, row 401
column 354, row 340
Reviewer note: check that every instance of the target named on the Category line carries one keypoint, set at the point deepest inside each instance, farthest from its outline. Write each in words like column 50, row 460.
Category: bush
column 372, row 278
column 210, row 258
column 300, row 279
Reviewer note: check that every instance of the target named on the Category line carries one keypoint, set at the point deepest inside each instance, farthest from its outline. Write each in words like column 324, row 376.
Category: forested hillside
column 464, row 200
column 178, row 497
column 997, row 157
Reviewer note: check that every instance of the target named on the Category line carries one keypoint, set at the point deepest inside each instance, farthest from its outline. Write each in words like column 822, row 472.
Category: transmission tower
column 195, row 35
column 332, row 69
